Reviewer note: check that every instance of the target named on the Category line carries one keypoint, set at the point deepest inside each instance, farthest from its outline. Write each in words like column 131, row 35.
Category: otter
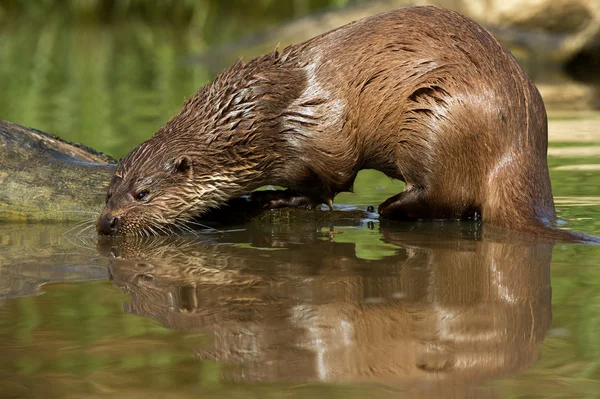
column 423, row 94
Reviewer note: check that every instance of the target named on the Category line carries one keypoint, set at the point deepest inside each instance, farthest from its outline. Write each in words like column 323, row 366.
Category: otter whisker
column 79, row 224
column 182, row 228
column 85, row 229
column 151, row 230
column 154, row 232
column 181, row 225
column 190, row 243
column 71, row 241
column 158, row 229
column 195, row 223
column 162, row 228
column 86, row 212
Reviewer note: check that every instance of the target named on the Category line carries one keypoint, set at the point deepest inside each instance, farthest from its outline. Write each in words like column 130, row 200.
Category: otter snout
column 108, row 224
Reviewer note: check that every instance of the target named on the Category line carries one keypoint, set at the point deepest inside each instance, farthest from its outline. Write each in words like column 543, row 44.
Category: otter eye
column 141, row 195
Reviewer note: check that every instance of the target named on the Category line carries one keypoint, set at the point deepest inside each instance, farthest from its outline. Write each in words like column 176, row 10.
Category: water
column 345, row 308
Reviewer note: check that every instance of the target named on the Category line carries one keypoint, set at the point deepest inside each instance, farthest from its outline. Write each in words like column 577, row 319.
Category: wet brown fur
column 422, row 94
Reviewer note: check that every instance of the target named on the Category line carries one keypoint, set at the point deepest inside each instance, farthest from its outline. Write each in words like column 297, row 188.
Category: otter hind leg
column 408, row 205
column 414, row 204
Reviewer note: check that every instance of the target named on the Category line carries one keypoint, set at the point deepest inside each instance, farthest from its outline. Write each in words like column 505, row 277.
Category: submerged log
column 44, row 178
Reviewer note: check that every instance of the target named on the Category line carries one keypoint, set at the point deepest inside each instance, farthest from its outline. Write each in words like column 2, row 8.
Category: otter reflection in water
column 447, row 312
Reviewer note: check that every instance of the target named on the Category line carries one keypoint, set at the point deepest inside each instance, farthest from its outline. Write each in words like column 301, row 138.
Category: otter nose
column 108, row 224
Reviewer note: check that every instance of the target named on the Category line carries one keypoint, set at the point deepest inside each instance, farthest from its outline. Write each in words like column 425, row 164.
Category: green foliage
column 183, row 13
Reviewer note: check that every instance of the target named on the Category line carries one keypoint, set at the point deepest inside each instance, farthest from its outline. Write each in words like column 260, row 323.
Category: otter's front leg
column 408, row 205
column 283, row 199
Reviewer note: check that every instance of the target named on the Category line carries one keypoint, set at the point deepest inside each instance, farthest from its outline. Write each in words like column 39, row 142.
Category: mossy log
column 44, row 178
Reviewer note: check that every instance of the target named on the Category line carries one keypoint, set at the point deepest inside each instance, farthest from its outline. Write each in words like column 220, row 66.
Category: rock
column 537, row 31
column 572, row 25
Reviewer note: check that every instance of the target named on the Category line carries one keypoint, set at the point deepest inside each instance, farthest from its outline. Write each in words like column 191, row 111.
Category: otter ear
column 182, row 164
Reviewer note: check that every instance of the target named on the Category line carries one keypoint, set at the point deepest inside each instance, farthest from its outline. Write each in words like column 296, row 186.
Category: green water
column 351, row 308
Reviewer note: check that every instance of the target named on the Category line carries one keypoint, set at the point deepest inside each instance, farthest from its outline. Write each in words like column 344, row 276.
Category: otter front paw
column 283, row 199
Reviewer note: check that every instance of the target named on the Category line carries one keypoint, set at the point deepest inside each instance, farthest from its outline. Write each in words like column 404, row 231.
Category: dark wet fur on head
column 422, row 94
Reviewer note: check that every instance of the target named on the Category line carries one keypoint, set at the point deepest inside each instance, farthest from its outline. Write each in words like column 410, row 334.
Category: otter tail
column 566, row 236
column 519, row 198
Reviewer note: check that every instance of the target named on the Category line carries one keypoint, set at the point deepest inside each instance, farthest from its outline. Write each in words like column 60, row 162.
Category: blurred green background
column 110, row 73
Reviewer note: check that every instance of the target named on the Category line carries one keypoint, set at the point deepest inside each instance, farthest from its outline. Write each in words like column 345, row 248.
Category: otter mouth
column 109, row 224
column 120, row 226
column 236, row 211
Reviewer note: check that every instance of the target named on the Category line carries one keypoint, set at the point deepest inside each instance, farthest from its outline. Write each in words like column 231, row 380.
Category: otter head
column 150, row 193
column 225, row 142
column 168, row 180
